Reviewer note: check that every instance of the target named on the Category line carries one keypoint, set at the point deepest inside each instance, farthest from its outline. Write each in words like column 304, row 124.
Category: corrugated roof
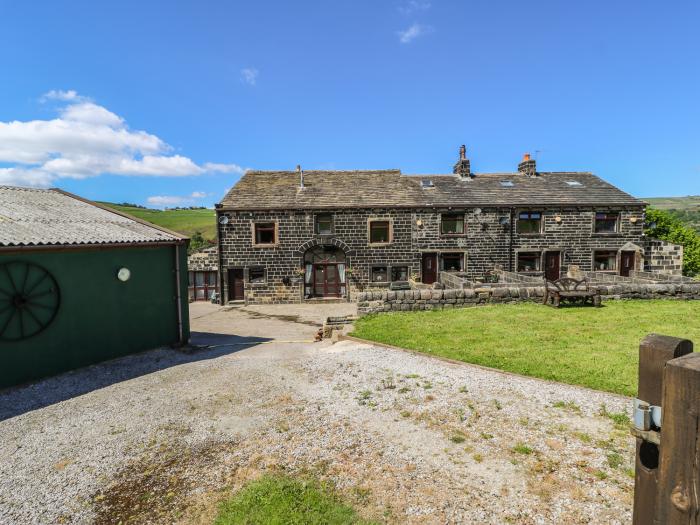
column 389, row 188
column 33, row 217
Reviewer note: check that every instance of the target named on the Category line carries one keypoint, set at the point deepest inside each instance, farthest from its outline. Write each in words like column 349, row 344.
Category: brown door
column 326, row 280
column 552, row 269
column 235, row 284
column 626, row 263
column 429, row 268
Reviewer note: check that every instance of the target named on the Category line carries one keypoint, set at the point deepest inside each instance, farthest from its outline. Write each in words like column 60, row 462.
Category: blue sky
column 178, row 98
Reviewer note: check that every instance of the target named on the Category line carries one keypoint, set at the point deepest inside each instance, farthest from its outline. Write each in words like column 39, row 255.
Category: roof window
column 573, row 183
column 507, row 183
column 426, row 183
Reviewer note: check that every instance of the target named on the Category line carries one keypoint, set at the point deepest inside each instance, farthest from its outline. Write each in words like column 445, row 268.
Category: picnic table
column 571, row 290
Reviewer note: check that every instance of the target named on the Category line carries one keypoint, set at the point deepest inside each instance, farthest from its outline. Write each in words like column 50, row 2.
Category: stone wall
column 662, row 256
column 409, row 300
column 206, row 260
column 486, row 243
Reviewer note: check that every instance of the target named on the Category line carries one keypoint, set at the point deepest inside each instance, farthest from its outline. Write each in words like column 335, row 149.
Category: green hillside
column 187, row 222
column 687, row 208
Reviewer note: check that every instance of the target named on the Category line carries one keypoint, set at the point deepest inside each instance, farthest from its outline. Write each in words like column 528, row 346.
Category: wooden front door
column 626, row 263
column 552, row 269
column 235, row 284
column 429, row 268
column 326, row 280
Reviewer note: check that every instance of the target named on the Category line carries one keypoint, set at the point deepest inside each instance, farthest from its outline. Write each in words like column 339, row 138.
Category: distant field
column 687, row 209
column 186, row 222
column 690, row 202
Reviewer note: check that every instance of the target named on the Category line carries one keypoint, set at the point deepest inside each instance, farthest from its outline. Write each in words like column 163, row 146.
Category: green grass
column 280, row 500
column 593, row 347
column 186, row 222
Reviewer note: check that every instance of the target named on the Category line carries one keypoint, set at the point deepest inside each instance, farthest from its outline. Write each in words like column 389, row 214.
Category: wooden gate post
column 678, row 495
column 654, row 352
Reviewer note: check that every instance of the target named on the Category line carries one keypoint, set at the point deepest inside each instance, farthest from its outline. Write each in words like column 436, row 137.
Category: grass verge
column 593, row 347
column 280, row 500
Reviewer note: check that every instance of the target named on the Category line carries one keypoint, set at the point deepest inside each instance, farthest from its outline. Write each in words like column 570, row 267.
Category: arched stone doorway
column 324, row 272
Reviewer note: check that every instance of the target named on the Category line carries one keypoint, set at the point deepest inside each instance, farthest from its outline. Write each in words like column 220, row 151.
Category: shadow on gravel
column 18, row 400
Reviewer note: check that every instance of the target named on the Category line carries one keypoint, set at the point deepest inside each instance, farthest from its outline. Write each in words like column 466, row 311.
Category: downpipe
column 178, row 294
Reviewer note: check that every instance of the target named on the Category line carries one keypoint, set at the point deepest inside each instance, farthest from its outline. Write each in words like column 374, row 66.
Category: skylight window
column 507, row 183
column 573, row 183
column 427, row 183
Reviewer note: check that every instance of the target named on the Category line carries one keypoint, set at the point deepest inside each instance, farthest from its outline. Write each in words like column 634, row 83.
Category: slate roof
column 33, row 217
column 258, row 190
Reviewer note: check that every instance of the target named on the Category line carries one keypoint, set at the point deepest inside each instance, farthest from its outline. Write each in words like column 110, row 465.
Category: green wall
column 100, row 317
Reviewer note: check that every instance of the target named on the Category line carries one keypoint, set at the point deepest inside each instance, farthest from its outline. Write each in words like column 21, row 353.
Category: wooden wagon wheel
column 29, row 300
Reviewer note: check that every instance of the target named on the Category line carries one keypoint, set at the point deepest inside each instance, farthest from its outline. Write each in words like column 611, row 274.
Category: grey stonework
column 411, row 300
column 662, row 256
column 206, row 260
column 490, row 240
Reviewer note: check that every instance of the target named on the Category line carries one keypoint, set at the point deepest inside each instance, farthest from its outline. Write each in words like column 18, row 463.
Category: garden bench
column 571, row 290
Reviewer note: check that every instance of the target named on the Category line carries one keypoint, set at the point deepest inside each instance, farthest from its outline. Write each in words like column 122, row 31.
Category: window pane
column 265, row 233
column 606, row 222
column 324, row 224
column 379, row 274
column 528, row 262
column 199, row 278
column 256, row 275
column 529, row 222
column 452, row 262
column 605, row 260
column 452, row 224
column 399, row 273
column 379, row 231
column 211, row 279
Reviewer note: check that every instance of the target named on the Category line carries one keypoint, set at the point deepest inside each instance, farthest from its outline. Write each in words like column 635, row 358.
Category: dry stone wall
column 410, row 300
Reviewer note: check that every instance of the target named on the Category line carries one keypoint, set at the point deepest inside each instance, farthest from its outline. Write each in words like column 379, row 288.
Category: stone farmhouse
column 294, row 236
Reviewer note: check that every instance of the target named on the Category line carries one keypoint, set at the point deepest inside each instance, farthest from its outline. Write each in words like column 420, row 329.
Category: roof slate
column 33, row 217
column 258, row 190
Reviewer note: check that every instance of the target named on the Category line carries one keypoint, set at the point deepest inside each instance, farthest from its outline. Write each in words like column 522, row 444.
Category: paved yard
column 161, row 437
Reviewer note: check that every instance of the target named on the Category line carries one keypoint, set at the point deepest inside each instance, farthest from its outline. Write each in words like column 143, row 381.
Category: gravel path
column 163, row 436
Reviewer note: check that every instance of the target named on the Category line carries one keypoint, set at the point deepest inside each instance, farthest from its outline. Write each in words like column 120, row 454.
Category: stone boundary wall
column 407, row 300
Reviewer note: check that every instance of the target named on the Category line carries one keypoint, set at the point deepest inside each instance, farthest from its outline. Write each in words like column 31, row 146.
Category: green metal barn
column 81, row 283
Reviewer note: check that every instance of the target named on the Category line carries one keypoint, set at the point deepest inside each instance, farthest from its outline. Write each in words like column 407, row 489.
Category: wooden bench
column 571, row 290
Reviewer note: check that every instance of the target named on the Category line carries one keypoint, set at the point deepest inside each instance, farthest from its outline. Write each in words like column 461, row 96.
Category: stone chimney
column 462, row 167
column 527, row 166
column 300, row 172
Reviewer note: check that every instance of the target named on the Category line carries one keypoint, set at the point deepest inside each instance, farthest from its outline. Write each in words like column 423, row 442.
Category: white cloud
column 413, row 6
column 58, row 94
column 249, row 75
column 413, row 32
column 88, row 140
column 162, row 201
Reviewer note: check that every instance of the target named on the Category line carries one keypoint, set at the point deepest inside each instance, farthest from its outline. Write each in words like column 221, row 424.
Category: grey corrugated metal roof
column 389, row 188
column 33, row 217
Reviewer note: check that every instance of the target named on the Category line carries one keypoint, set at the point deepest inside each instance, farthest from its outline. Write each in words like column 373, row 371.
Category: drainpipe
column 178, row 292
column 510, row 247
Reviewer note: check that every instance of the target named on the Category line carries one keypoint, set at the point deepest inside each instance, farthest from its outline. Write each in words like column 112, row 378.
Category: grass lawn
column 186, row 222
column 279, row 500
column 593, row 347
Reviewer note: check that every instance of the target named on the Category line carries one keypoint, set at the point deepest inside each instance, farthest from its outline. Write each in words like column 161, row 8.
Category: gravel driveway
column 161, row 437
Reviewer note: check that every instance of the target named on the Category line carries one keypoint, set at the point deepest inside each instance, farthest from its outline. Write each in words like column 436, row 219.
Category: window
column 427, row 183
column 529, row 262
column 379, row 274
column 606, row 222
column 379, row 232
column 324, row 224
column 452, row 224
column 507, row 183
column 256, row 275
column 605, row 260
column 452, row 262
column 573, row 183
column 529, row 222
column 399, row 273
column 264, row 233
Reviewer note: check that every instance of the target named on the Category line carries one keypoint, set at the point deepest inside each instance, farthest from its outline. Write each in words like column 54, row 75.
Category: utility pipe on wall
column 178, row 294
